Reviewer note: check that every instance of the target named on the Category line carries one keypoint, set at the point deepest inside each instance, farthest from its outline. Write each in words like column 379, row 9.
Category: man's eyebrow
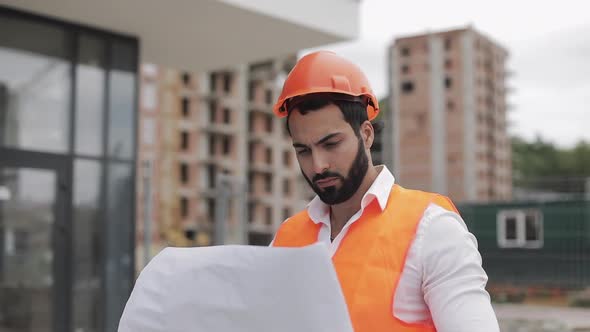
column 327, row 137
column 324, row 139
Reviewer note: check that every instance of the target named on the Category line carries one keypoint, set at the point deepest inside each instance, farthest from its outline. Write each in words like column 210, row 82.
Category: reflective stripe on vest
column 371, row 257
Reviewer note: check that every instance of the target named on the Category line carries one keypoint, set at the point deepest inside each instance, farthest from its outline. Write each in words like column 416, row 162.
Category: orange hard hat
column 326, row 72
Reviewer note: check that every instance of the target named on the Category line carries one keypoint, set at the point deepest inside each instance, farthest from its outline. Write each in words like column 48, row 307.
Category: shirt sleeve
column 453, row 280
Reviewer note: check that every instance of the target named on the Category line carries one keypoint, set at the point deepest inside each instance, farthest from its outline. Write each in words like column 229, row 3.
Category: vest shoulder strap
column 299, row 230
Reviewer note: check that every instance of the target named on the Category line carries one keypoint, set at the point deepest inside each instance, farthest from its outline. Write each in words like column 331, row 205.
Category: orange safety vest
column 372, row 255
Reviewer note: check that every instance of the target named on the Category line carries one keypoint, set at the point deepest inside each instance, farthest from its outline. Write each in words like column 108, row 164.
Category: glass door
column 33, row 241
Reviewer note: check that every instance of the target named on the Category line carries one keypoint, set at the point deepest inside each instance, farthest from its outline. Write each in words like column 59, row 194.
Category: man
column 404, row 258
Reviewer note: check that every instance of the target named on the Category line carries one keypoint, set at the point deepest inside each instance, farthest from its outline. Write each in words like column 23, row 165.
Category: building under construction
column 215, row 165
column 448, row 115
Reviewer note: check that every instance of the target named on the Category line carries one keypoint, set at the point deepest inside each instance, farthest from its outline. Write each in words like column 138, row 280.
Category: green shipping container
column 545, row 244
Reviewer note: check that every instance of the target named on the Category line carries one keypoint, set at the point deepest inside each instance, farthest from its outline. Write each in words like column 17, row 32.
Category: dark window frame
column 407, row 87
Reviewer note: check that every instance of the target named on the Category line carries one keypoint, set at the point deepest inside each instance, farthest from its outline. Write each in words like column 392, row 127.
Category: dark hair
column 354, row 112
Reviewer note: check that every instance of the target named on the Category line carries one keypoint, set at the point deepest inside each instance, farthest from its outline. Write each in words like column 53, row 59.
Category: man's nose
column 320, row 163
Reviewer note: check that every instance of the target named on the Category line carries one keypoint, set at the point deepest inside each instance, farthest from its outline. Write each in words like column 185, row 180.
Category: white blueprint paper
column 237, row 288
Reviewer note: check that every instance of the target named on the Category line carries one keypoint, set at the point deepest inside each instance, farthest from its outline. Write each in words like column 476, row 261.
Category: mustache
column 325, row 175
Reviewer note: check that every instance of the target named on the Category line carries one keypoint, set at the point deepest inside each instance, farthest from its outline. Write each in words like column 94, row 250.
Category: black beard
column 350, row 183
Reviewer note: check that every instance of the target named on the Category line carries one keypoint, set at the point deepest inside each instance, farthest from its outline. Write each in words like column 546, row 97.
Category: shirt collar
column 319, row 212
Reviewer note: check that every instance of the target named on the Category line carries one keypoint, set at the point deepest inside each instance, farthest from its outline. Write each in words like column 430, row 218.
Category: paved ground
column 536, row 318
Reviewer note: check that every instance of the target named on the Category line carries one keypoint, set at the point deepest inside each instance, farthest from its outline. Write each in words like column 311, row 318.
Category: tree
column 541, row 165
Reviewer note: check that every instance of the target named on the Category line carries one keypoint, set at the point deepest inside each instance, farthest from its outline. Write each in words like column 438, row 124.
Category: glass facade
column 35, row 85
column 68, row 115
column 90, row 96
column 27, row 218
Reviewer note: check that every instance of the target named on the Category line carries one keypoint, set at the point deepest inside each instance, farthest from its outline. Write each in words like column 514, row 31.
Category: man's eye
column 331, row 144
column 302, row 152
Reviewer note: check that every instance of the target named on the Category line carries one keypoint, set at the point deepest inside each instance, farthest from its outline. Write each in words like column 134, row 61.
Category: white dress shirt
column 442, row 280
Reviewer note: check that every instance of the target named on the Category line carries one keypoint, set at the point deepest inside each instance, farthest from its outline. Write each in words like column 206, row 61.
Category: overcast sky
column 548, row 41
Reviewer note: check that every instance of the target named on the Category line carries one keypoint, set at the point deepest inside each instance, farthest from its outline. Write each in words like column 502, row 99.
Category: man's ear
column 367, row 134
